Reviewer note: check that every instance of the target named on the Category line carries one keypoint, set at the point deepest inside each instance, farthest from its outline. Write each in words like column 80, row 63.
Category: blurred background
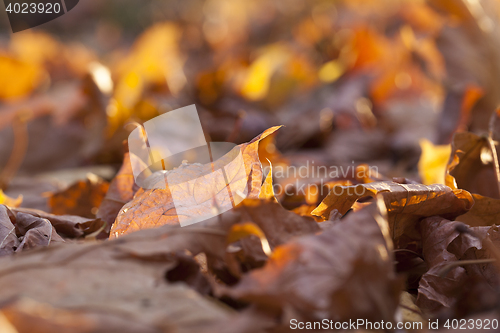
column 363, row 81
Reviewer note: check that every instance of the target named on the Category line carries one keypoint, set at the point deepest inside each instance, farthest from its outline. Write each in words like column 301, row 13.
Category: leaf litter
column 408, row 87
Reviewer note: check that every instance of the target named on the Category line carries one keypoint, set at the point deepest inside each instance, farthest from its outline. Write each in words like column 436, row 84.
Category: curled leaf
column 406, row 203
column 156, row 207
column 23, row 231
column 472, row 166
column 457, row 272
column 239, row 231
column 267, row 190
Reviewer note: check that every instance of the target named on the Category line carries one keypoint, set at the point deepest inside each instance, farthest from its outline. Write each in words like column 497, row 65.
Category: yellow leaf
column 35, row 47
column 8, row 201
column 258, row 77
column 18, row 78
column 433, row 161
column 331, row 71
column 239, row 231
column 155, row 59
column 267, row 190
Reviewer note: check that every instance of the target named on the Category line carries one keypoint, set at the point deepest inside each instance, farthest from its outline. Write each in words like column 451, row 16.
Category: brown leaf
column 434, row 291
column 23, row 231
column 409, row 311
column 28, row 315
column 121, row 190
column 406, row 204
column 81, row 199
column 63, row 128
column 278, row 225
column 152, row 208
column 8, row 239
column 268, row 220
column 35, row 232
column 472, row 165
column 212, row 237
column 69, row 226
column 484, row 212
column 344, row 272
column 115, row 285
column 305, row 210
column 445, row 284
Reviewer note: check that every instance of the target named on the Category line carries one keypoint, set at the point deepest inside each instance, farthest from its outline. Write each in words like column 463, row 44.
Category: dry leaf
column 406, row 204
column 69, row 226
column 485, row 211
column 242, row 230
column 121, row 190
column 8, row 239
column 155, row 59
column 5, row 325
column 23, row 231
column 110, row 286
column 472, row 165
column 444, row 285
column 152, row 208
column 59, row 129
column 35, row 232
column 18, row 77
column 267, row 189
column 344, row 272
column 7, row 201
column 433, row 161
column 81, row 198
column 279, row 226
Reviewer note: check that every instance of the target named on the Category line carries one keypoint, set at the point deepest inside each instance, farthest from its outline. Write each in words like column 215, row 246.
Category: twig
column 446, row 269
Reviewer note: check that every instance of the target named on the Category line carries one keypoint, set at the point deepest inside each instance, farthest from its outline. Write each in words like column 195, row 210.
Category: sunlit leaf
column 406, row 204
column 433, row 162
column 153, row 208
column 8, row 201
column 267, row 189
column 258, row 77
column 155, row 59
column 239, row 231
column 82, row 198
column 18, row 78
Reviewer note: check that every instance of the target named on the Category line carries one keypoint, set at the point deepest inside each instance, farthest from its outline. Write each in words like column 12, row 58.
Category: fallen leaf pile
column 369, row 136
